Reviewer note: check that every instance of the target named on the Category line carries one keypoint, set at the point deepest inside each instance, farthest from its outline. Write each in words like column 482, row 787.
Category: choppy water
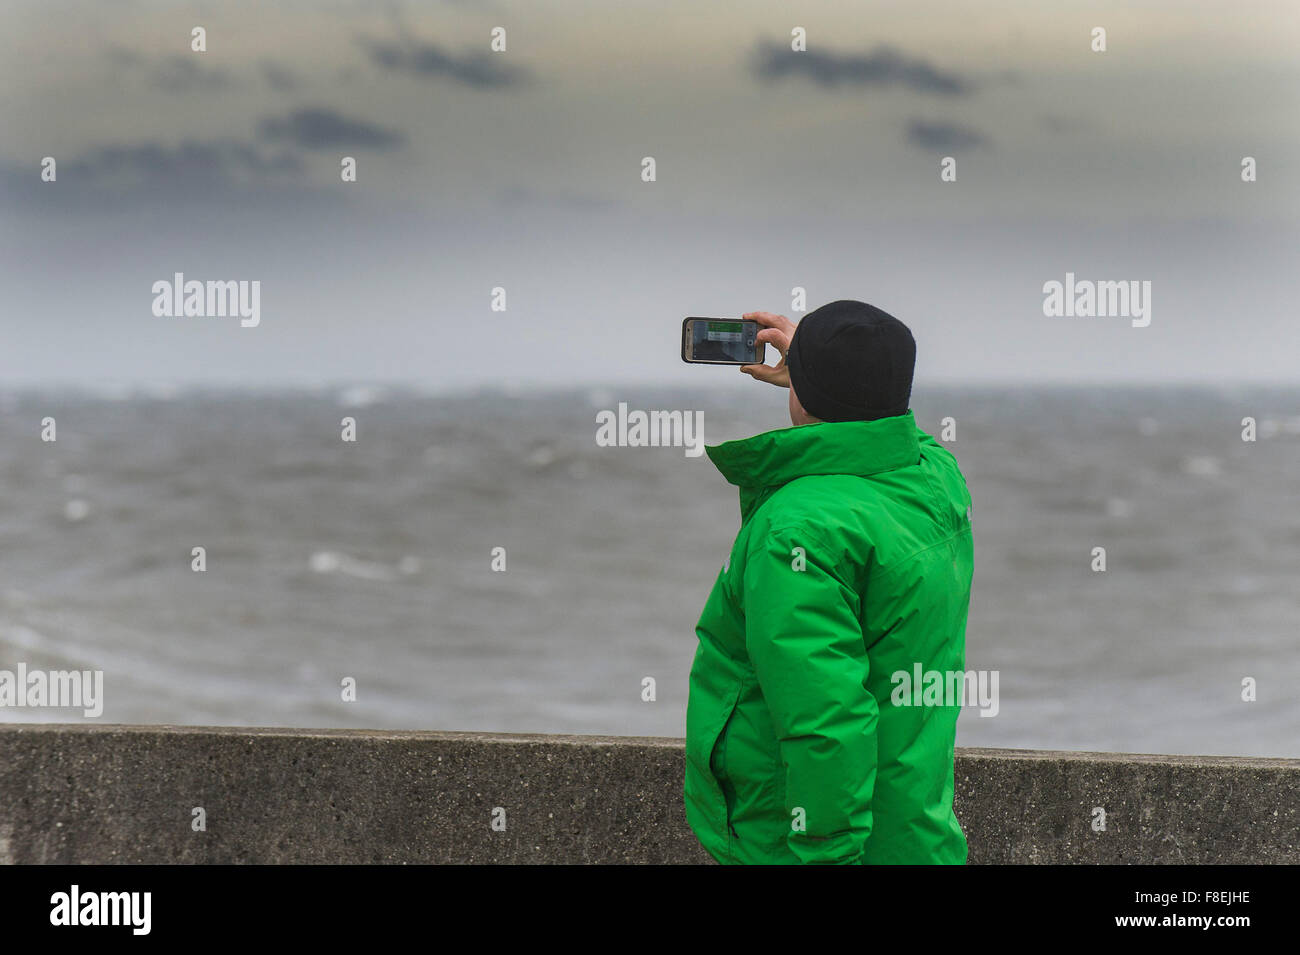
column 373, row 560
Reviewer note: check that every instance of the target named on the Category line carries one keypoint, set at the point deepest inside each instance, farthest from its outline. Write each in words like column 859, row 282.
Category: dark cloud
column 185, row 73
column 121, row 57
column 478, row 69
column 943, row 135
column 1059, row 124
column 191, row 161
column 188, row 72
column 140, row 175
column 316, row 128
column 884, row 66
column 279, row 78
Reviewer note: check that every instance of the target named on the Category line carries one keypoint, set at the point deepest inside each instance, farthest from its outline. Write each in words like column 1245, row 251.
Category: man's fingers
column 777, row 331
column 766, row 373
column 771, row 320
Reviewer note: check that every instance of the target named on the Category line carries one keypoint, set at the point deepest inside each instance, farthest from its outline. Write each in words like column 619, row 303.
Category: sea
column 478, row 561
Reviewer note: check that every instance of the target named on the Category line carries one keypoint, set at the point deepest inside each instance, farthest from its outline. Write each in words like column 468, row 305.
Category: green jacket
column 853, row 564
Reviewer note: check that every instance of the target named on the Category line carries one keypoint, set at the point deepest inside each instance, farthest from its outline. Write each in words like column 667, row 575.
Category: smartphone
column 722, row 341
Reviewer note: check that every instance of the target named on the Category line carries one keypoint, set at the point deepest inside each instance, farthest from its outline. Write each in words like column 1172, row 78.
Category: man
column 853, row 564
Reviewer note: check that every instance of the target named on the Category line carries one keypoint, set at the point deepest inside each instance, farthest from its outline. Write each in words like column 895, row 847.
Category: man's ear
column 798, row 415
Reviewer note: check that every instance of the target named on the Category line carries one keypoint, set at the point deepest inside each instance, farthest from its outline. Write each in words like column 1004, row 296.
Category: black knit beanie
column 850, row 361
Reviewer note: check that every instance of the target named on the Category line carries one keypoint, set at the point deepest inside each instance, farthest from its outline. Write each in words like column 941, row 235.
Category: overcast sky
column 522, row 169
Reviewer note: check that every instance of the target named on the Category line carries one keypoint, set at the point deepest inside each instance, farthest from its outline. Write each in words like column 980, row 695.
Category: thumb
column 761, row 372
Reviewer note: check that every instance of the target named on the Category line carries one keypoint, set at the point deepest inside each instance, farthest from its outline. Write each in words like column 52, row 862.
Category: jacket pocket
column 718, row 762
column 718, row 754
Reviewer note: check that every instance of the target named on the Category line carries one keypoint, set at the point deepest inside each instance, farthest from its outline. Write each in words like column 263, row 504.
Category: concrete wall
column 83, row 793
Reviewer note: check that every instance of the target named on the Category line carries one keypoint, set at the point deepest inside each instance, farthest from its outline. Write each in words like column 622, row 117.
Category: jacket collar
column 760, row 464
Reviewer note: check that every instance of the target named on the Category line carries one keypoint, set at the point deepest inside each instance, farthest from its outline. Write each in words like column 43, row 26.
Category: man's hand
column 778, row 331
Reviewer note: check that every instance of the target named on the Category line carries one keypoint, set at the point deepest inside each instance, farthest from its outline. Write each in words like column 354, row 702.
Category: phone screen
column 732, row 341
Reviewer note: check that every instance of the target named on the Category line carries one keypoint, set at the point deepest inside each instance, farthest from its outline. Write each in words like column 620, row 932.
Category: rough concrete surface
column 87, row 794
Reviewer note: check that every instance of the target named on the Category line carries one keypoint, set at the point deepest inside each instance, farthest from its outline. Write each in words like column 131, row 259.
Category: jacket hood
column 773, row 458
